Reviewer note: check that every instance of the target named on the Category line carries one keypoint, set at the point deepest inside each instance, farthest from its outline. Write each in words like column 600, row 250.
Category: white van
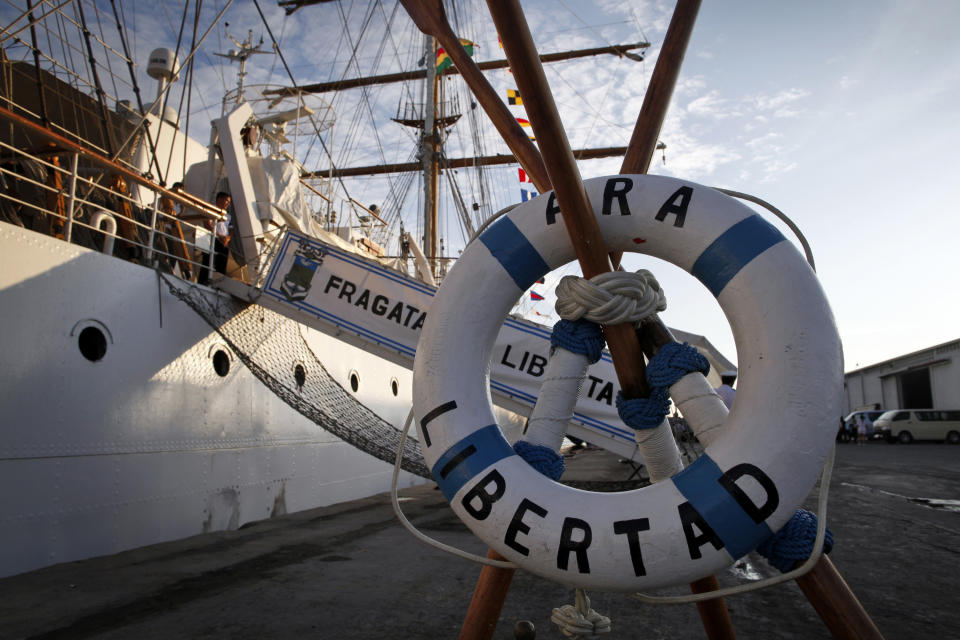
column 907, row 425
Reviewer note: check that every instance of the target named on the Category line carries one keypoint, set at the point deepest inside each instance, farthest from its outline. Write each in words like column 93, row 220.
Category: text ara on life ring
column 750, row 480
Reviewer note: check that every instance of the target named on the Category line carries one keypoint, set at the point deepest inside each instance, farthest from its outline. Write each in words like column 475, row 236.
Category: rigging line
column 166, row 98
column 198, row 5
column 143, row 116
column 136, row 93
column 106, row 56
column 595, row 111
column 396, row 50
column 101, row 97
column 100, row 41
column 36, row 63
column 67, row 54
column 353, row 59
column 594, row 31
column 283, row 31
column 123, row 16
column 263, row 18
column 12, row 34
column 365, row 92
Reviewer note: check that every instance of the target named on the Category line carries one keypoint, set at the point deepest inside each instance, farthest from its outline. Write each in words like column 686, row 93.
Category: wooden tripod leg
column 836, row 604
column 713, row 613
column 488, row 598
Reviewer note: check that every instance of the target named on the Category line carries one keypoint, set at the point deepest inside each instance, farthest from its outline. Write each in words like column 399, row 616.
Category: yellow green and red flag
column 443, row 58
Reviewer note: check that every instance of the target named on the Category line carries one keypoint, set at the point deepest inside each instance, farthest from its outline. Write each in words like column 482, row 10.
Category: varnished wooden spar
column 403, row 76
column 458, row 163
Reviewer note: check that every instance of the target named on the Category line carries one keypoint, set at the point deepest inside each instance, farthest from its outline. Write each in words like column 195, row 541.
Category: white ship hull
column 150, row 443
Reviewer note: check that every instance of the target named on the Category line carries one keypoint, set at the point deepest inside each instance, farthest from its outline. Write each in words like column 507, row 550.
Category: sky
column 840, row 114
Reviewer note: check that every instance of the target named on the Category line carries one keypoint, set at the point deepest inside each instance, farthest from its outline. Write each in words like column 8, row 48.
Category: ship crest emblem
column 306, row 260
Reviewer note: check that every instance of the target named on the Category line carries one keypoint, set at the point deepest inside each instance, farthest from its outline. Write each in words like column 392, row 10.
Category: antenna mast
column 243, row 51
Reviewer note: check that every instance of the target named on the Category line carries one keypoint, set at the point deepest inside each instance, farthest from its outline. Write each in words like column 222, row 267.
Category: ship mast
column 428, row 152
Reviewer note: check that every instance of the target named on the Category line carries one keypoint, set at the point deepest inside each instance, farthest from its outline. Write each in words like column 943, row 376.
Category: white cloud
column 846, row 82
column 778, row 100
column 711, row 104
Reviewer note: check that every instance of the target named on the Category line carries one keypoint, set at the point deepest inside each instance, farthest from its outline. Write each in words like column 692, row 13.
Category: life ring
column 751, row 478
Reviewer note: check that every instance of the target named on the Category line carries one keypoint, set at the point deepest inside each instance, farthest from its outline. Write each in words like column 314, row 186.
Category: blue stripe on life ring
column 699, row 485
column 464, row 460
column 732, row 251
column 512, row 250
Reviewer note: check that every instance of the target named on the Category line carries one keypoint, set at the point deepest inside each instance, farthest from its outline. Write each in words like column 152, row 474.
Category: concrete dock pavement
column 352, row 571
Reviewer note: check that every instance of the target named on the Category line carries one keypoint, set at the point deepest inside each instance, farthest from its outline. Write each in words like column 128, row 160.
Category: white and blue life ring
column 751, row 478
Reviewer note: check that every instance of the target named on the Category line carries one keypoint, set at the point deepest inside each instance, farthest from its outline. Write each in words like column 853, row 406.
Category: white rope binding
column 611, row 298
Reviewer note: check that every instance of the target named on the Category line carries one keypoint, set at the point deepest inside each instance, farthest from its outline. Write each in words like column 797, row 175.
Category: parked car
column 907, row 425
column 849, row 431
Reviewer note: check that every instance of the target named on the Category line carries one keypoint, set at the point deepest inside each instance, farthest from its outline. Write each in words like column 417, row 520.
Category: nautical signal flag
column 513, row 97
column 526, row 123
column 535, row 296
column 523, row 175
column 527, row 195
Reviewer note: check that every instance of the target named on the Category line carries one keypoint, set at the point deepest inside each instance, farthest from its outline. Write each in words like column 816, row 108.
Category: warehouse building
column 929, row 378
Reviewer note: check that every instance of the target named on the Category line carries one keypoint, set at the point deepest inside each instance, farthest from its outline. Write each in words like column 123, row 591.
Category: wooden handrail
column 204, row 210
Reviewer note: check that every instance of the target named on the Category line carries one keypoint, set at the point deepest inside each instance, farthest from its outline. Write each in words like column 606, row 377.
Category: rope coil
column 614, row 297
column 580, row 621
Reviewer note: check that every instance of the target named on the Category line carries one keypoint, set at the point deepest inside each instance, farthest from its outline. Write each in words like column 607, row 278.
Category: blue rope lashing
column 543, row 459
column 644, row 413
column 794, row 542
column 579, row 336
column 672, row 361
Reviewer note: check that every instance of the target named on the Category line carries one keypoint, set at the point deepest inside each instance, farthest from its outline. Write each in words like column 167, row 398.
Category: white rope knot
column 614, row 297
column 580, row 621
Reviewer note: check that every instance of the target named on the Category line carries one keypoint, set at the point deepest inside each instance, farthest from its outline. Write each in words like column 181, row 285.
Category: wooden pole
column 836, row 604
column 653, row 111
column 487, row 602
column 571, row 197
column 643, row 142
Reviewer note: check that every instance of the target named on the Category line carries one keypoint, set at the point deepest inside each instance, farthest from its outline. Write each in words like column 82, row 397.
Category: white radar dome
column 162, row 65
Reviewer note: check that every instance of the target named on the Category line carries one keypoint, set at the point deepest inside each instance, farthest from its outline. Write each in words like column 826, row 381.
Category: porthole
column 300, row 376
column 92, row 343
column 354, row 381
column 394, row 387
column 221, row 363
column 93, row 339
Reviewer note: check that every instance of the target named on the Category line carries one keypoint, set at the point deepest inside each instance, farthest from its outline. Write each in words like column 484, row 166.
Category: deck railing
column 84, row 204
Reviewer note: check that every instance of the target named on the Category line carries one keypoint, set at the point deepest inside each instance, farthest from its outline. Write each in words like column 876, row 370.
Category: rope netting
column 268, row 343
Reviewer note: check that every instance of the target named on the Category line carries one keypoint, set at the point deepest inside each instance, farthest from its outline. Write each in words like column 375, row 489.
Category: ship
column 159, row 385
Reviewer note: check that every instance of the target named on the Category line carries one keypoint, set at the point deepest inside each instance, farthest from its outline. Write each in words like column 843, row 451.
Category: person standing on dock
column 726, row 390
